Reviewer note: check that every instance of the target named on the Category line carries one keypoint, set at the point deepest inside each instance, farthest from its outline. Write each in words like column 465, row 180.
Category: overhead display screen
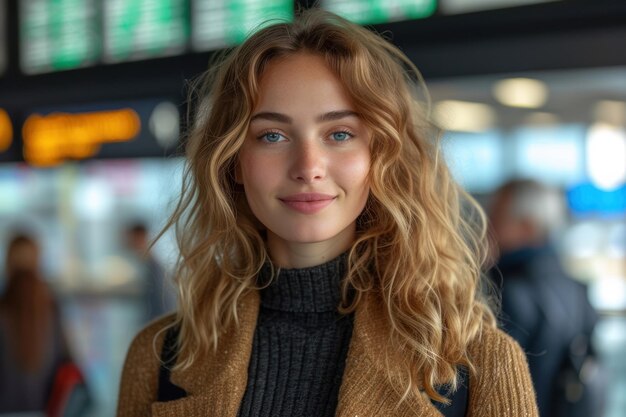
column 9, row 150
column 58, row 34
column 464, row 6
column 6, row 131
column 381, row 11
column 139, row 29
column 139, row 128
column 220, row 23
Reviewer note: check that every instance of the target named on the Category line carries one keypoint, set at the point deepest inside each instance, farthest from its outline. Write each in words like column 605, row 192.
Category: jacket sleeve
column 501, row 385
column 138, row 387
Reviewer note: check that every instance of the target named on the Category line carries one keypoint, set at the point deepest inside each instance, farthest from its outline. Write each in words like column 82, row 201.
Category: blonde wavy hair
column 420, row 240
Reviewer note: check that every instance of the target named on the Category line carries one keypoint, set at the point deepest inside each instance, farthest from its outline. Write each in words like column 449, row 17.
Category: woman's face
column 22, row 256
column 305, row 162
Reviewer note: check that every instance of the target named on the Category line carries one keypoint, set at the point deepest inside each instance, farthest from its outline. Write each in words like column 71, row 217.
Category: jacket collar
column 216, row 386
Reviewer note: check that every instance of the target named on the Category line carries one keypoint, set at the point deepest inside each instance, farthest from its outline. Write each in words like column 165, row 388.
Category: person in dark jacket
column 543, row 308
column 157, row 296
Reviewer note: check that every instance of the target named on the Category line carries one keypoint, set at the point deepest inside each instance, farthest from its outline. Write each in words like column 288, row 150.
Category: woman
column 32, row 344
column 327, row 264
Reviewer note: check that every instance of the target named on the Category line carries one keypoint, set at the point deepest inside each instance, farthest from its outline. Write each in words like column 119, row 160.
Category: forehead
column 300, row 77
column 305, row 63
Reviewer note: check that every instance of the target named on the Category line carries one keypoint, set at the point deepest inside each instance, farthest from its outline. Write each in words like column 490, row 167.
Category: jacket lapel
column 216, row 384
column 365, row 390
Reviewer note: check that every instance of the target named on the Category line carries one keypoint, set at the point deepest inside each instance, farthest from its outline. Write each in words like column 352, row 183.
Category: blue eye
column 341, row 136
column 271, row 137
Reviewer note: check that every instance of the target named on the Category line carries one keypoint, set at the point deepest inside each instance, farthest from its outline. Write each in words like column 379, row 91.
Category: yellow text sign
column 53, row 138
column 6, row 131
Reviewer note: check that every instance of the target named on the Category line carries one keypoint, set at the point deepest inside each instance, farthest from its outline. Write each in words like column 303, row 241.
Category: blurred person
column 543, row 308
column 157, row 298
column 327, row 264
column 32, row 344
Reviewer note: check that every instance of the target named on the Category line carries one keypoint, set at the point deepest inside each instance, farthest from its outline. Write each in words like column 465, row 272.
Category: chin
column 311, row 233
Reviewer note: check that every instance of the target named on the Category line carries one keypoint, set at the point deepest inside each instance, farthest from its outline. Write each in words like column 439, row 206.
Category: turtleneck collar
column 304, row 290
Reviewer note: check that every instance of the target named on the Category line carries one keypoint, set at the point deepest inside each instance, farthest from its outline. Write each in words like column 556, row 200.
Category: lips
column 308, row 203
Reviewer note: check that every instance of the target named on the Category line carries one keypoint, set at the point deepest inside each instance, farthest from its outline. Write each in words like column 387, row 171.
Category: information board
column 58, row 34
column 6, row 131
column 9, row 148
column 220, row 23
column 586, row 200
column 139, row 29
column 380, row 11
column 464, row 6
column 140, row 128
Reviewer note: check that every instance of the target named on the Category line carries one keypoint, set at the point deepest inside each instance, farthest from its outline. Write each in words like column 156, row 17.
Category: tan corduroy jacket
column 502, row 386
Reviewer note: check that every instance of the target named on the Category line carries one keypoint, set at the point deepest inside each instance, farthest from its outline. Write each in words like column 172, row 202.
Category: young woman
column 328, row 262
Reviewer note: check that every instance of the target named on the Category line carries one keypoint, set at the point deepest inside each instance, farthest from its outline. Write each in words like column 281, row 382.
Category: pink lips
column 308, row 203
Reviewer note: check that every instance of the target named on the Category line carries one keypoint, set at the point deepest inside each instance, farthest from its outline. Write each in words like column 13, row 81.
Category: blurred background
column 92, row 103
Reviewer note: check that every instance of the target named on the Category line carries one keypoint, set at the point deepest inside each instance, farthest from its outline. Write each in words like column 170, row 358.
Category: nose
column 308, row 163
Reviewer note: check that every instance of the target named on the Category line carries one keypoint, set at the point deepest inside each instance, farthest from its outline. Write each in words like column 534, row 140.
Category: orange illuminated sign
column 53, row 138
column 6, row 131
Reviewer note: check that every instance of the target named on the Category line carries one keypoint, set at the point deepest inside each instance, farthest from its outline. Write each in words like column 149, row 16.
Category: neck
column 304, row 255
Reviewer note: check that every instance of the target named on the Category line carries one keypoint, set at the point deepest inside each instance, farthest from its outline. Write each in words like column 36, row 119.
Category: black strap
column 459, row 400
column 167, row 390
column 170, row 392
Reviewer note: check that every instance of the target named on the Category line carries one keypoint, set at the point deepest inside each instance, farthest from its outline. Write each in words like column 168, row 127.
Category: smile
column 308, row 203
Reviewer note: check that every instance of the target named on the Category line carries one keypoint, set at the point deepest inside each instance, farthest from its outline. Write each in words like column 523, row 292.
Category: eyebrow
column 283, row 118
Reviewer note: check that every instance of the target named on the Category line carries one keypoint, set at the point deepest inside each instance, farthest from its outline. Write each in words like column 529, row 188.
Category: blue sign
column 587, row 199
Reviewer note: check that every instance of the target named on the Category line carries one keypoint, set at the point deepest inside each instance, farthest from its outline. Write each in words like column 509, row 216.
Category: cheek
column 250, row 166
column 258, row 174
column 354, row 172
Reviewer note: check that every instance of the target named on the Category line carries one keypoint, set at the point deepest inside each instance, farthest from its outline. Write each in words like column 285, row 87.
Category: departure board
column 464, row 6
column 380, row 11
column 220, row 23
column 139, row 29
column 58, row 34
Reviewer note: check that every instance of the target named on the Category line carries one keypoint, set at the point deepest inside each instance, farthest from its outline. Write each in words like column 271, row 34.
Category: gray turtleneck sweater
column 300, row 344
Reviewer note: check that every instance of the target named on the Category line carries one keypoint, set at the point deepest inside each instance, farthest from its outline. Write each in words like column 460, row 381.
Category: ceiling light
column 541, row 118
column 611, row 112
column 606, row 156
column 521, row 92
column 464, row 116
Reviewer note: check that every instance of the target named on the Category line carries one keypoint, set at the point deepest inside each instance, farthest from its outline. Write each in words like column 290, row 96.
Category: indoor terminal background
column 92, row 104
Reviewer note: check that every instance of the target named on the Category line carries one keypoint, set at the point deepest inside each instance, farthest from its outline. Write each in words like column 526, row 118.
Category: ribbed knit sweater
column 300, row 343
